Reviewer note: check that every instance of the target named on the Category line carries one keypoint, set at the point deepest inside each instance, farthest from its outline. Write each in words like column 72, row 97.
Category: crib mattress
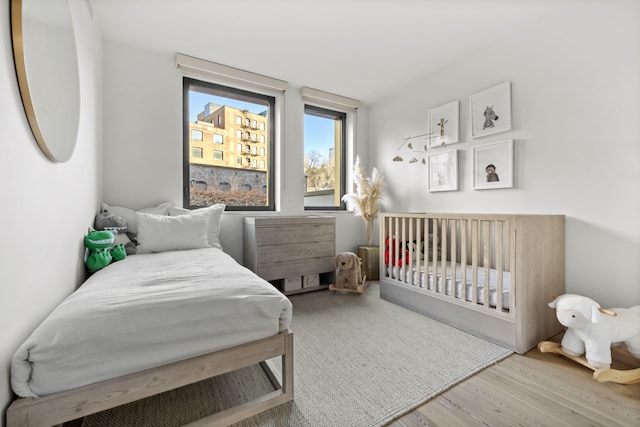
column 445, row 286
column 146, row 311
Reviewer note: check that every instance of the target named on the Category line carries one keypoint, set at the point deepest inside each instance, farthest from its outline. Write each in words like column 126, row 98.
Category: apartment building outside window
column 222, row 116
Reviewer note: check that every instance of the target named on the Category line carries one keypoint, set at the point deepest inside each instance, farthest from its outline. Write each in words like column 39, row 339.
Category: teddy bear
column 100, row 251
column 348, row 274
column 592, row 330
column 118, row 226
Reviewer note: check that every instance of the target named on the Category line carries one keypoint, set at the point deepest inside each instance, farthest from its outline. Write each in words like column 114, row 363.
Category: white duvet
column 146, row 311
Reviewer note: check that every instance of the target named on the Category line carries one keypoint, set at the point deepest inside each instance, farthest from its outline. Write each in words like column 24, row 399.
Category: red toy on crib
column 391, row 245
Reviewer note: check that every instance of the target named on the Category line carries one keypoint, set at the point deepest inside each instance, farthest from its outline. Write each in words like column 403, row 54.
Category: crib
column 491, row 275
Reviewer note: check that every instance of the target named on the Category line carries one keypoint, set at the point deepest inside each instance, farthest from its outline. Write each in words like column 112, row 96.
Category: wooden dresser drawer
column 269, row 236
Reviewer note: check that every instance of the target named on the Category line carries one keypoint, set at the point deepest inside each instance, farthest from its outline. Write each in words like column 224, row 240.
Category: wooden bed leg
column 18, row 414
column 287, row 368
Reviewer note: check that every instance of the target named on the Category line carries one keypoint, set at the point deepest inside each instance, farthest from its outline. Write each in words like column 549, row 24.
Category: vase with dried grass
column 367, row 195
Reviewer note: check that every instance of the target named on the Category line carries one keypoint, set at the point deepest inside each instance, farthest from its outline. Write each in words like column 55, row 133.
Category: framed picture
column 444, row 124
column 490, row 111
column 493, row 165
column 443, row 170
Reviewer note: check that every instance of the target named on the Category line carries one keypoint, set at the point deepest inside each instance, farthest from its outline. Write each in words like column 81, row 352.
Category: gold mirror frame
column 44, row 51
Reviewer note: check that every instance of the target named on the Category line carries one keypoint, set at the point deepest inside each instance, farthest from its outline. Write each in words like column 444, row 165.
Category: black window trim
column 333, row 114
column 187, row 83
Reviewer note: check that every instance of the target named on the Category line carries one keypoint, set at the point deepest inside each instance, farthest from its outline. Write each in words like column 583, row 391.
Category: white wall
column 576, row 109
column 46, row 207
column 143, row 144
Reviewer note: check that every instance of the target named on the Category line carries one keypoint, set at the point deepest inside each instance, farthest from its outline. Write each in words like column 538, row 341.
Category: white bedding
column 419, row 280
column 146, row 311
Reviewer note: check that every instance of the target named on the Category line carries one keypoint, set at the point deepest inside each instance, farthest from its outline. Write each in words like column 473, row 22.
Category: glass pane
column 323, row 146
column 224, row 119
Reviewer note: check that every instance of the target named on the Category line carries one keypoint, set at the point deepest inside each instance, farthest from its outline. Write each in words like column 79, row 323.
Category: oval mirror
column 44, row 51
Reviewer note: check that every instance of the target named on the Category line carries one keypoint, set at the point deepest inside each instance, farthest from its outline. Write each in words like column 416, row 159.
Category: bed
column 151, row 323
column 491, row 275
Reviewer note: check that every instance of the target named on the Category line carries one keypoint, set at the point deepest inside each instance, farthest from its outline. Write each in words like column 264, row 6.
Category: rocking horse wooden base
column 630, row 376
column 359, row 290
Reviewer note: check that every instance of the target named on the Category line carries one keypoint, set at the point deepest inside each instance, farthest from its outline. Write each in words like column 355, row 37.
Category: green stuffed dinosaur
column 99, row 253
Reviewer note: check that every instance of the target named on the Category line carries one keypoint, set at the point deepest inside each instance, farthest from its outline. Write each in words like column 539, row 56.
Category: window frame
column 225, row 90
column 329, row 113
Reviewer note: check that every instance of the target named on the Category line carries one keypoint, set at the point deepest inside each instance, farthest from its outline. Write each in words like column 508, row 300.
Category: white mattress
column 419, row 279
column 146, row 311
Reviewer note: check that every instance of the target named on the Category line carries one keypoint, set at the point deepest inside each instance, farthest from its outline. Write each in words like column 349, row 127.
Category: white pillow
column 159, row 233
column 215, row 215
column 129, row 215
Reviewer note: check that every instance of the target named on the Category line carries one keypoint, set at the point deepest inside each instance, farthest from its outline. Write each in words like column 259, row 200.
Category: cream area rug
column 358, row 360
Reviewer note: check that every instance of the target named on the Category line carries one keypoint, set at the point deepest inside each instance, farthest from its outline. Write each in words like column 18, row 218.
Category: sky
column 318, row 131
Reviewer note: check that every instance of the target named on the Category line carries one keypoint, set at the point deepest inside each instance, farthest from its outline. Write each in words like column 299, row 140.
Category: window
column 244, row 182
column 196, row 135
column 324, row 157
column 196, row 152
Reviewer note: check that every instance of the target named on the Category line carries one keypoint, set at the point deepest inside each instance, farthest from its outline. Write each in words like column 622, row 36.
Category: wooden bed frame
column 69, row 405
column 530, row 247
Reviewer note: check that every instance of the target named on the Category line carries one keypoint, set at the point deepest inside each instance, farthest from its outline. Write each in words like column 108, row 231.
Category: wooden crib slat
column 434, row 253
column 443, row 259
column 396, row 246
column 464, row 224
column 419, row 250
column 499, row 232
column 474, row 261
column 403, row 244
column 486, row 262
column 454, row 256
column 413, row 257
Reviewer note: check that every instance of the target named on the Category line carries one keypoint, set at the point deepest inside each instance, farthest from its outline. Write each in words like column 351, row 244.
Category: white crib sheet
column 146, row 311
column 428, row 282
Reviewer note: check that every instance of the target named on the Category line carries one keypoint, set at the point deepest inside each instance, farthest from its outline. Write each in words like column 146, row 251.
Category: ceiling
column 363, row 49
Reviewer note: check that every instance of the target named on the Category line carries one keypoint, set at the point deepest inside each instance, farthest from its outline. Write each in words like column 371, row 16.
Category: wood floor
column 534, row 389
